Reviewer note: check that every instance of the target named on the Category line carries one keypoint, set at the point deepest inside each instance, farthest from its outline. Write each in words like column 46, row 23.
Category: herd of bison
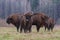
column 25, row 21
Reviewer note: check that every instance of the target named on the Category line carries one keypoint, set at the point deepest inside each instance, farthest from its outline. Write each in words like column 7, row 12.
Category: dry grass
column 9, row 33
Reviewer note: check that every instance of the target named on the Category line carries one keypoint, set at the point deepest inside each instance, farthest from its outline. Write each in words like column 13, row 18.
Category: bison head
column 28, row 16
column 9, row 20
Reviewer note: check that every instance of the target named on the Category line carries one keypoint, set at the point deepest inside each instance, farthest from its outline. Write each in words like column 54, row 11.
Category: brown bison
column 28, row 21
column 17, row 20
column 49, row 24
column 39, row 20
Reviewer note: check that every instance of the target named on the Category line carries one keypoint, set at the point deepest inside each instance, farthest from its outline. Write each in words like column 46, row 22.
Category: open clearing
column 9, row 33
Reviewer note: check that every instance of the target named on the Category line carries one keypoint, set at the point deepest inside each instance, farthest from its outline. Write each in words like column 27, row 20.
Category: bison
column 49, row 24
column 39, row 20
column 15, row 20
column 28, row 21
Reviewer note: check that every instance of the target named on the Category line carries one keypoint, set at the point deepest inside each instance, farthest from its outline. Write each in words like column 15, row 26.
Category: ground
column 10, row 33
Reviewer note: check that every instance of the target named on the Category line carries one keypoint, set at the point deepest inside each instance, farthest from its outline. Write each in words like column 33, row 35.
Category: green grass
column 10, row 33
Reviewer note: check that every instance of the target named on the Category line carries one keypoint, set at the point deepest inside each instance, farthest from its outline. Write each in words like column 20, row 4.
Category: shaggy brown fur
column 39, row 20
column 15, row 20
column 49, row 24
column 28, row 21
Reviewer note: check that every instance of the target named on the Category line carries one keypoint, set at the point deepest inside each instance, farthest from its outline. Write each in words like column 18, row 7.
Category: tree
column 3, row 9
column 34, row 5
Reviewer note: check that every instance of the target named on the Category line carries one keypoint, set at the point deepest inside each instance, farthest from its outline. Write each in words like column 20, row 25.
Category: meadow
column 10, row 33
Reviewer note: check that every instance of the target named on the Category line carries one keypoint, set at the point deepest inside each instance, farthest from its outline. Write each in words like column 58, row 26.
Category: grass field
column 9, row 33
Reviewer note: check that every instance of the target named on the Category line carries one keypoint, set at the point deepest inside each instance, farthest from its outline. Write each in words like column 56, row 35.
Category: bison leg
column 17, row 29
column 45, row 28
column 49, row 28
column 52, row 26
column 25, row 30
column 21, row 29
column 38, row 27
column 29, row 29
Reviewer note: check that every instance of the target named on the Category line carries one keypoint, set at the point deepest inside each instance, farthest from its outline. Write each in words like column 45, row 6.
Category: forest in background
column 50, row 7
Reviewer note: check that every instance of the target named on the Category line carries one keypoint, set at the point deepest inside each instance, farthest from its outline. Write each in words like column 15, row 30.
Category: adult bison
column 37, row 19
column 49, row 24
column 17, row 20
column 28, row 21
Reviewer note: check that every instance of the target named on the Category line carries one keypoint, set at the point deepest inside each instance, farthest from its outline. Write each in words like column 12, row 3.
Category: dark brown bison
column 15, row 20
column 39, row 20
column 49, row 24
column 28, row 21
